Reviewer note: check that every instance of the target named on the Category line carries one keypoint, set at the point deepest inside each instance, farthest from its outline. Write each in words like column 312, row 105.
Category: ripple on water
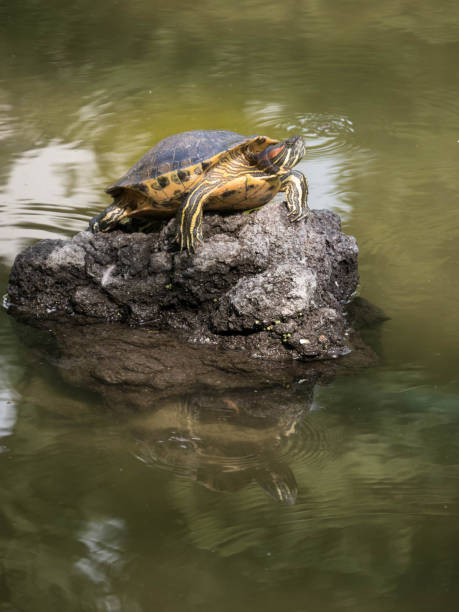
column 46, row 195
column 228, row 451
column 325, row 134
column 315, row 442
column 8, row 415
column 347, row 477
column 8, row 397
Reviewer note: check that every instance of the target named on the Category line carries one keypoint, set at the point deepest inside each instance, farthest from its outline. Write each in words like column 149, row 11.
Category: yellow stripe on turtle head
column 257, row 144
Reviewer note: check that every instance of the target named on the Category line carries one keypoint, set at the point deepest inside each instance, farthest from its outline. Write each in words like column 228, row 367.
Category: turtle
column 216, row 170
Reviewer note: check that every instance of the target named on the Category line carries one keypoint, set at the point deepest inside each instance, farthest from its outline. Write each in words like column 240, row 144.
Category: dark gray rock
column 257, row 282
column 135, row 367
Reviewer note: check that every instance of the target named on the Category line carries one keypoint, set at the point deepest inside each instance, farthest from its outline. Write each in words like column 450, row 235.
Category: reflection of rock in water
column 133, row 367
column 216, row 417
column 226, row 441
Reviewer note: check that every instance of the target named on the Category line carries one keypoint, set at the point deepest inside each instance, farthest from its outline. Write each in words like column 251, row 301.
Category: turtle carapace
column 188, row 173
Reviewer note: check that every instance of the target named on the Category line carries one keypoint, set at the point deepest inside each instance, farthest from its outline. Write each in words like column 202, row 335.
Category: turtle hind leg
column 113, row 217
column 295, row 185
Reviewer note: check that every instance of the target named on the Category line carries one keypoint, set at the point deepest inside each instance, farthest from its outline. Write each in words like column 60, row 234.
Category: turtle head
column 284, row 154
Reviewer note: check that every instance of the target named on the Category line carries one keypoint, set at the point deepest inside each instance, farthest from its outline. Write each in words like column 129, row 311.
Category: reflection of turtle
column 221, row 448
column 211, row 169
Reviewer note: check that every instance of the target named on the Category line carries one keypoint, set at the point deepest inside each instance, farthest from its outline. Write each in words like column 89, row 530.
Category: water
column 102, row 508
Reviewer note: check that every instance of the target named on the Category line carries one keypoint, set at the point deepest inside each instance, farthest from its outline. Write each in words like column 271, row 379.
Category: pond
column 104, row 507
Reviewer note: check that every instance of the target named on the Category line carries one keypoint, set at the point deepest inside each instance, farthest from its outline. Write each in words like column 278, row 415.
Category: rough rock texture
column 257, row 282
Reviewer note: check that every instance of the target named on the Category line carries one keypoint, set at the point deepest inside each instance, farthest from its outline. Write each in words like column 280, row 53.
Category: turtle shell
column 177, row 152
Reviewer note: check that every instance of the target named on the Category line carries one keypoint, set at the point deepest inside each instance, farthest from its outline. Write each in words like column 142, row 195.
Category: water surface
column 110, row 509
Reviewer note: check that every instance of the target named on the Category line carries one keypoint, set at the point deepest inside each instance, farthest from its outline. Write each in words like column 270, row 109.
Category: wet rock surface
column 134, row 367
column 257, row 282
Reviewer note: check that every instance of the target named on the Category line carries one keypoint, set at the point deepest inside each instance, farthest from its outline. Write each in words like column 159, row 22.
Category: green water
column 91, row 518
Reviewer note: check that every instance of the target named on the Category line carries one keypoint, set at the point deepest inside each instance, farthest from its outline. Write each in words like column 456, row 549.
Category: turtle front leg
column 295, row 185
column 189, row 216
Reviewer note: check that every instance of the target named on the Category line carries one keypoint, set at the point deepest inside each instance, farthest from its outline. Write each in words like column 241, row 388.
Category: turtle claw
column 298, row 215
column 190, row 247
column 182, row 243
column 195, row 242
column 188, row 242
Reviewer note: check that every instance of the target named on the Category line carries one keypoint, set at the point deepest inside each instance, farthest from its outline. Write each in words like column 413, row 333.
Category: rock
column 134, row 367
column 257, row 282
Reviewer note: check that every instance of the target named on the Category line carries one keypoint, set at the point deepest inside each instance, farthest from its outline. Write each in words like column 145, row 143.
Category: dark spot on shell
column 177, row 192
column 230, row 192
column 271, row 187
column 183, row 175
column 140, row 187
column 163, row 181
column 251, row 187
column 205, row 165
column 176, row 179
